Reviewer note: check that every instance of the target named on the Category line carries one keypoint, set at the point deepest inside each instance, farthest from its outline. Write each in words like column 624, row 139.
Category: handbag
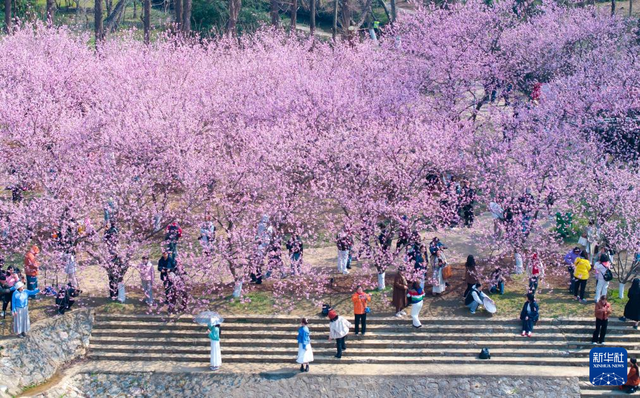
column 447, row 272
column 367, row 310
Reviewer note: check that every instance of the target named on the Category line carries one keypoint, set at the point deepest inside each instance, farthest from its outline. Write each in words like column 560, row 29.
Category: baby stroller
column 65, row 298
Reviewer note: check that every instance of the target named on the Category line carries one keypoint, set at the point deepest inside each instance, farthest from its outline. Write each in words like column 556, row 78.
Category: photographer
column 65, row 298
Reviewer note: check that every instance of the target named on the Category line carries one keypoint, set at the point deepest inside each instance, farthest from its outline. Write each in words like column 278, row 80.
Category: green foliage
column 211, row 16
column 207, row 15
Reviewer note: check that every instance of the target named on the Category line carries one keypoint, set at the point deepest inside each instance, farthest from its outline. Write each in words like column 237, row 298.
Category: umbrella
column 489, row 305
column 208, row 318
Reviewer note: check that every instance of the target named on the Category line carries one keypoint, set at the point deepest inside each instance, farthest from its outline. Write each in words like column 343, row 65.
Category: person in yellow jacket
column 581, row 273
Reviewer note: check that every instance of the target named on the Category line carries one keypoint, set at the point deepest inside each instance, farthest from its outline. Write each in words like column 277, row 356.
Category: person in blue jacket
column 305, row 353
column 20, row 309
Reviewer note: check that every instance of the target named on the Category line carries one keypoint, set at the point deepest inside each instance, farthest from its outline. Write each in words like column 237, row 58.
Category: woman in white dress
column 439, row 284
column 216, row 356
column 305, row 353
column 69, row 260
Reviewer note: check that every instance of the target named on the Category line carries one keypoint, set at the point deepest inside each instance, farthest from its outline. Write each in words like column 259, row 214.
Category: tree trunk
column 367, row 12
column 312, row 17
column 177, row 8
column 112, row 20
column 393, row 11
column 294, row 14
column 630, row 6
column 381, row 285
column 7, row 15
column 51, row 7
column 234, row 11
column 620, row 290
column 334, row 32
column 345, row 18
column 613, row 7
column 386, row 10
column 135, row 9
column 275, row 17
column 186, row 16
column 146, row 21
column 109, row 5
column 237, row 289
column 99, row 31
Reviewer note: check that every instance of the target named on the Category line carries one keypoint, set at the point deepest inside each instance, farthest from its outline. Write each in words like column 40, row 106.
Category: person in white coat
column 439, row 284
column 207, row 234
column 147, row 276
column 602, row 266
column 70, row 265
column 338, row 331
column 519, row 263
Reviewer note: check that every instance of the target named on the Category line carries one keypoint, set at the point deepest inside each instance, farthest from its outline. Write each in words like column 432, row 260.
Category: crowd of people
column 421, row 263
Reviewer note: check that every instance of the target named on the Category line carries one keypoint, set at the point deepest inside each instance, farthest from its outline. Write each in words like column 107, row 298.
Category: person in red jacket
column 603, row 310
column 360, row 303
column 31, row 267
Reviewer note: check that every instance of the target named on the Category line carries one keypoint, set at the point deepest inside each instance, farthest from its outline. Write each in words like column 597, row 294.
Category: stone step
column 230, row 348
column 628, row 345
column 429, row 327
column 364, row 342
column 596, row 391
column 203, row 349
column 277, row 335
column 384, row 320
column 328, row 359
column 355, row 341
column 405, row 335
column 589, row 390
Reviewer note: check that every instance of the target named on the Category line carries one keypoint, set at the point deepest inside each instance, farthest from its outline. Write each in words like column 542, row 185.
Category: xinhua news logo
column 608, row 366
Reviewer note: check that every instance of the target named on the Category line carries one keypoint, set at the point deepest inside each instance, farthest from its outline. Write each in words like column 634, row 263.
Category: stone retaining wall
column 52, row 342
column 307, row 385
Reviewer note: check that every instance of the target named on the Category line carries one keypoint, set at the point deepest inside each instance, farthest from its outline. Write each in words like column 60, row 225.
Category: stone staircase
column 388, row 341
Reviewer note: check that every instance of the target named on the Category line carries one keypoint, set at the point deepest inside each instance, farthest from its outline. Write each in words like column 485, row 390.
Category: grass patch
column 254, row 303
column 117, row 308
column 556, row 302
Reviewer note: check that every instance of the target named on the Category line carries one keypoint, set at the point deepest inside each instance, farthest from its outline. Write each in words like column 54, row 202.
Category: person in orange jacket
column 31, row 267
column 360, row 304
column 633, row 379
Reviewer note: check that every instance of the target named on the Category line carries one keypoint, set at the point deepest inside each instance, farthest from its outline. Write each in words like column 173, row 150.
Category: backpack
column 608, row 275
column 484, row 354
